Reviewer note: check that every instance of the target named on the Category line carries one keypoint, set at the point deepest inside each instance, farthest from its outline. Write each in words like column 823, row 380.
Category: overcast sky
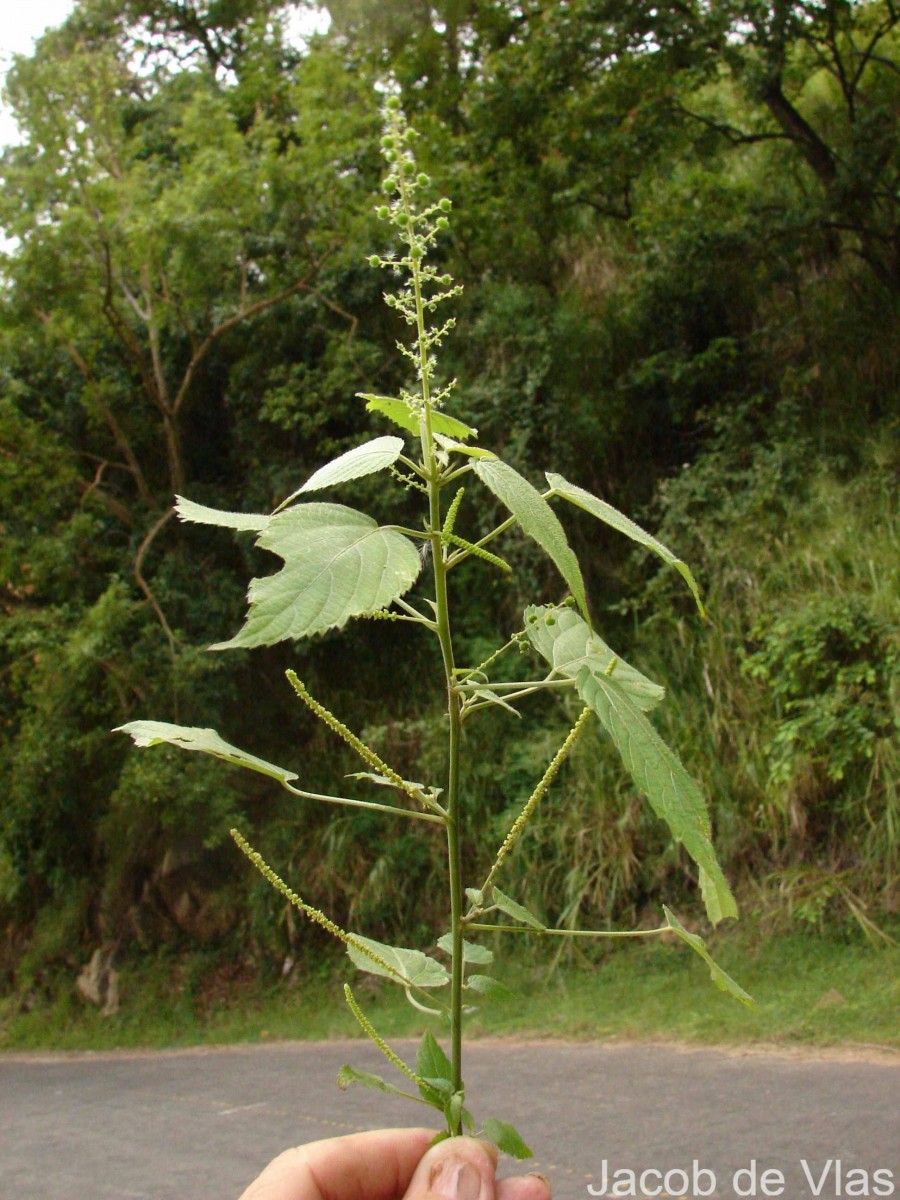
column 22, row 23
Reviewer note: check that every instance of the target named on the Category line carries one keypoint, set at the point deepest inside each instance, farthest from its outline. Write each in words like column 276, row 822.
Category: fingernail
column 456, row 1179
column 490, row 1150
column 542, row 1178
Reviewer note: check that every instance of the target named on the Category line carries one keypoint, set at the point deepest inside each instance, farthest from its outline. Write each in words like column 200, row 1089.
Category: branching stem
column 584, row 933
column 388, row 808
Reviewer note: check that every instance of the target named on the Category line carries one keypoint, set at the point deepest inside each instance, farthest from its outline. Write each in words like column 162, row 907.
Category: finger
column 524, row 1187
column 362, row 1166
column 458, row 1168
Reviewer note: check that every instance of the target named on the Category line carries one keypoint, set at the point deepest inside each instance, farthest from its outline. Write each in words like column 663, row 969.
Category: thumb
column 459, row 1168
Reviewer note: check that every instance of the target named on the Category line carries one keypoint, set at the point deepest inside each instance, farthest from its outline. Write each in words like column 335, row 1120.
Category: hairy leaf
column 472, row 952
column 660, row 776
column 207, row 741
column 337, row 564
column 410, row 967
column 618, row 521
column 718, row 976
column 362, row 460
column 567, row 643
column 348, row 1075
column 536, row 518
column 506, row 1138
column 406, row 417
column 199, row 514
column 513, row 909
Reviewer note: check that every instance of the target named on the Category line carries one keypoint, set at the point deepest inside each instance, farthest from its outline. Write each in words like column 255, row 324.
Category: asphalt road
column 199, row 1125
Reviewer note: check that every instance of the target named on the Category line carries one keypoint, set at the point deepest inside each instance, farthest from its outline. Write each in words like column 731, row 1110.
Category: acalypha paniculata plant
column 339, row 564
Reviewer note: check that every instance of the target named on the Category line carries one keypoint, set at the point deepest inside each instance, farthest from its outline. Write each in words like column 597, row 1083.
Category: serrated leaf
column 488, row 986
column 406, row 417
column 536, row 518
column 348, row 1075
column 506, row 1138
column 410, row 967
column 616, row 520
column 206, row 741
column 432, row 1064
column 472, row 952
column 366, row 459
column 566, row 641
column 659, row 775
column 719, row 977
column 337, row 564
column 199, row 514
column 513, row 909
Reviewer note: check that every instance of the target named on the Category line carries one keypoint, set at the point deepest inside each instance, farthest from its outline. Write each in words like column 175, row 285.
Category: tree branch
column 106, row 412
column 142, row 582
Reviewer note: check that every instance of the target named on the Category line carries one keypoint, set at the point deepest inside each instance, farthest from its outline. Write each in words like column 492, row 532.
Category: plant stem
column 388, row 808
column 431, row 474
column 594, row 933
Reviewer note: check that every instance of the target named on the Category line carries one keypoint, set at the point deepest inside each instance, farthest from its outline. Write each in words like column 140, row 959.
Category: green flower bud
column 442, row 223
column 409, row 168
column 387, row 142
column 422, row 179
column 374, row 260
column 382, row 212
column 388, row 185
column 445, row 205
column 392, row 103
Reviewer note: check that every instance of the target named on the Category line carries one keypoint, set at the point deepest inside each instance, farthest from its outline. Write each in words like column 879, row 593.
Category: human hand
column 392, row 1164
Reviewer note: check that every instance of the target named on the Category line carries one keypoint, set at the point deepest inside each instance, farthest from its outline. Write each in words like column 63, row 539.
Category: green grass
column 811, row 990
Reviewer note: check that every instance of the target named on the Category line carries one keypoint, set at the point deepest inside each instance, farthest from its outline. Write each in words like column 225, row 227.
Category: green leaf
column 187, row 510
column 515, row 910
column 506, row 1138
column 362, row 460
column 384, row 781
column 536, row 518
column 456, row 1112
column 337, row 564
column 207, row 741
column 410, row 967
column 718, row 976
column 566, row 641
column 432, row 1064
column 488, row 986
column 449, row 444
column 660, row 776
column 489, row 696
column 348, row 1075
column 406, row 417
column 475, row 896
column 618, row 521
column 472, row 952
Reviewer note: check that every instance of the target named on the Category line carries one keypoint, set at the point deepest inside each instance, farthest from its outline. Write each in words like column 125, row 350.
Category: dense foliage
column 677, row 230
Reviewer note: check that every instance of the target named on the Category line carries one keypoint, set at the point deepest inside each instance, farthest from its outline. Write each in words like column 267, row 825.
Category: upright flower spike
column 417, row 227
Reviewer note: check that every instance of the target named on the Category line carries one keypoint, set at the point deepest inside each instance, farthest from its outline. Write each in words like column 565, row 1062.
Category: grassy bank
column 810, row 990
